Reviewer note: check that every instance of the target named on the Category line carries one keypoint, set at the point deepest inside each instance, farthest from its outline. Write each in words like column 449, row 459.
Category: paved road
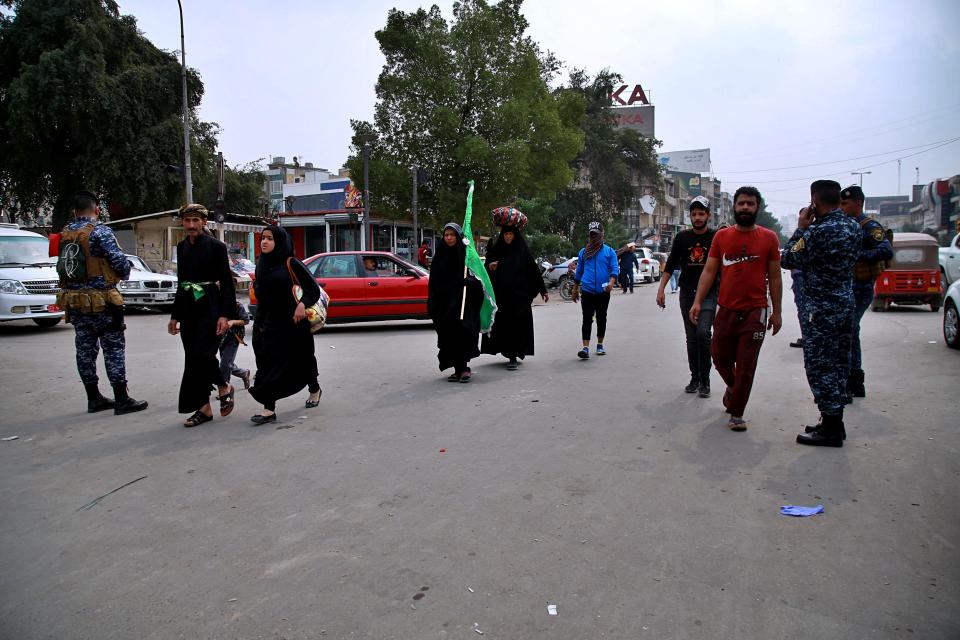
column 597, row 486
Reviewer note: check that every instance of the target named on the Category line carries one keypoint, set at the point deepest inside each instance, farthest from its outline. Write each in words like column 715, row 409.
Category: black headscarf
column 516, row 274
column 446, row 271
column 282, row 249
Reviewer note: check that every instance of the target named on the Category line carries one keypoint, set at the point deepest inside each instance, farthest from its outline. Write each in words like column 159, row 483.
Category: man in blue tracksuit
column 597, row 273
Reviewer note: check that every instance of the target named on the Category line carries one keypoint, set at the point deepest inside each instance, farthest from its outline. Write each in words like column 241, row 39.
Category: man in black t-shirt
column 688, row 255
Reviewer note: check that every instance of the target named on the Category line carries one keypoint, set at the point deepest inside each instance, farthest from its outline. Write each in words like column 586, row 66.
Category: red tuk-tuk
column 913, row 276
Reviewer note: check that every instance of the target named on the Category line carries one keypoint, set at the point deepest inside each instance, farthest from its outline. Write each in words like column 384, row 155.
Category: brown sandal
column 226, row 402
column 198, row 418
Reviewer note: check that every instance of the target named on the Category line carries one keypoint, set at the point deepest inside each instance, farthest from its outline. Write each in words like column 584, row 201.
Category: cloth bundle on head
column 193, row 211
column 509, row 217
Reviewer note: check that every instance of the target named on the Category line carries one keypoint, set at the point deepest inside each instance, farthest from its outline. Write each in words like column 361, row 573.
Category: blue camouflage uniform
column 104, row 329
column 826, row 252
column 874, row 247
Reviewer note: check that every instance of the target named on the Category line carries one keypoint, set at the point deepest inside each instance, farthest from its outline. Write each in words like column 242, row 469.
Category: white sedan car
column 951, row 316
column 648, row 266
column 146, row 288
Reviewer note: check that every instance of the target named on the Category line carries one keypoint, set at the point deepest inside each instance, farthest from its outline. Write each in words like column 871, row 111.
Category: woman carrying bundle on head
column 516, row 282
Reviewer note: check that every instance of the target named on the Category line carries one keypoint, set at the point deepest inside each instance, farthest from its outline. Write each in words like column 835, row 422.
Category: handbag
column 317, row 312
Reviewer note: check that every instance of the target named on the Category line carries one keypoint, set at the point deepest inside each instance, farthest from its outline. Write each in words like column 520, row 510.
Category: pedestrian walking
column 747, row 258
column 627, row 262
column 230, row 344
column 282, row 343
column 826, row 245
column 675, row 281
column 875, row 251
column 90, row 266
column 516, row 282
column 596, row 275
column 423, row 254
column 688, row 255
column 454, row 299
column 205, row 302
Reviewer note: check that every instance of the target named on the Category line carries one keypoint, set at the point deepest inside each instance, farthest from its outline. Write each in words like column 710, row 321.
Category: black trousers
column 590, row 304
column 698, row 337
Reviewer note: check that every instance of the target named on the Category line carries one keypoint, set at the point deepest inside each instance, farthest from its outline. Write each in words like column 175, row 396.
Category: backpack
column 72, row 259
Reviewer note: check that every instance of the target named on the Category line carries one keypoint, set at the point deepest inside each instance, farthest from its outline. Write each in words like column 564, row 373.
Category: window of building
column 276, row 186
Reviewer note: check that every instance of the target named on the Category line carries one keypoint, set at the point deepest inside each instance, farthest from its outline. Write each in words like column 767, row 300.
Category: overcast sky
column 763, row 84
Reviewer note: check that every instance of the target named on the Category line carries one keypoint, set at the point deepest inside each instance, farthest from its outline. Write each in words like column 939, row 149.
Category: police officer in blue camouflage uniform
column 875, row 250
column 94, row 306
column 825, row 245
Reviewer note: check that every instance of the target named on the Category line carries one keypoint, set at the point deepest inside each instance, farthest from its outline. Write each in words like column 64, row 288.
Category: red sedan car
column 369, row 286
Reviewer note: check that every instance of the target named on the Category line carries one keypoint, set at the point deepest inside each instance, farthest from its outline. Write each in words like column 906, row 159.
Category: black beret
column 853, row 192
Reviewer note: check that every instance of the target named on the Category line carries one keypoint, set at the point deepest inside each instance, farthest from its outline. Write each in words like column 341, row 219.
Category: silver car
column 146, row 288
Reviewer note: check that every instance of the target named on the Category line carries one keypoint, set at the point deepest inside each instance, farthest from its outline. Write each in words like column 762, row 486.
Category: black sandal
column 465, row 377
column 198, row 418
column 310, row 404
column 226, row 402
column 453, row 377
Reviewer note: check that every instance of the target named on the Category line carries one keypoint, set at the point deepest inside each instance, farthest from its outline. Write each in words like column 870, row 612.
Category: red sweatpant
column 737, row 338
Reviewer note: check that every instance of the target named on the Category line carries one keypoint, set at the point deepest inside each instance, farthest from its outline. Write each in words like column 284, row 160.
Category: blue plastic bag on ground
column 800, row 512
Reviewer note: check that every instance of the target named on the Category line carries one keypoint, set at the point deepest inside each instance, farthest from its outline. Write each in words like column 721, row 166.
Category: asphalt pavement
column 408, row 507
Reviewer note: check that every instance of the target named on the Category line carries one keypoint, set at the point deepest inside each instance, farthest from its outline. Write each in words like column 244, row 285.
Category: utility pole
column 187, row 175
column 413, row 210
column 898, row 176
column 918, row 175
column 365, row 223
column 861, row 174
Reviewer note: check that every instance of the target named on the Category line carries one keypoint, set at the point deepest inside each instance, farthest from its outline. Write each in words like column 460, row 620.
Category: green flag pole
column 474, row 264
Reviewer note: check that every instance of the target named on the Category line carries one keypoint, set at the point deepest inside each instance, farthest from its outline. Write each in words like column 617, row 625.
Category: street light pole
column 415, row 243
column 861, row 174
column 187, row 175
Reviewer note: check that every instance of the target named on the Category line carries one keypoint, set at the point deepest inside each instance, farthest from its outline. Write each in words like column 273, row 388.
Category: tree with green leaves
column 463, row 100
column 767, row 219
column 86, row 101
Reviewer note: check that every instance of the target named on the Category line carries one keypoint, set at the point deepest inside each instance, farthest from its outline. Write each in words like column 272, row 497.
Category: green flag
column 475, row 265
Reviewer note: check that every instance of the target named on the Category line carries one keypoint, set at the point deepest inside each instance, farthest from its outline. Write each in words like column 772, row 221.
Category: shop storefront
column 319, row 232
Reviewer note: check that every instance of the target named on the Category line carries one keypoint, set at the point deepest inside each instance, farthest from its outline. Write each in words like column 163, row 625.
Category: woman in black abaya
column 456, row 338
column 282, row 342
column 516, row 282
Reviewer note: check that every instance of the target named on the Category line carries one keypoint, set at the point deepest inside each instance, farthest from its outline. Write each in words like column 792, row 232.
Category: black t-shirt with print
column 689, row 253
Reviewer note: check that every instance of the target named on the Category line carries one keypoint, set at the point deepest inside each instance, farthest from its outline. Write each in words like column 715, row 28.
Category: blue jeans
column 862, row 297
column 674, row 280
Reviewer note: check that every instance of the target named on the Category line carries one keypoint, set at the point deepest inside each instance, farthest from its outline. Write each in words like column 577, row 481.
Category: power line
column 869, row 166
column 819, row 164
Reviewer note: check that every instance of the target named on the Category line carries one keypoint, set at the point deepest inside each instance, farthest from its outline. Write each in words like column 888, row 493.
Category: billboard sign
column 638, row 118
column 690, row 161
column 637, row 95
column 689, row 182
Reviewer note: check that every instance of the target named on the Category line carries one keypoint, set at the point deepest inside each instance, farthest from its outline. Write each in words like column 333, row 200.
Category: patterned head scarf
column 594, row 240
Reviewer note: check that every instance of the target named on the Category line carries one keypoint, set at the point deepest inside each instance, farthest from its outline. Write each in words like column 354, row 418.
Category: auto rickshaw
column 913, row 276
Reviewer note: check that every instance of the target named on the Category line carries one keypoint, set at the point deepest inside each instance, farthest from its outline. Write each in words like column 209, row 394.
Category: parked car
column 28, row 278
column 951, row 316
column 145, row 288
column 557, row 273
column 648, row 266
column 398, row 291
column 913, row 276
column 950, row 261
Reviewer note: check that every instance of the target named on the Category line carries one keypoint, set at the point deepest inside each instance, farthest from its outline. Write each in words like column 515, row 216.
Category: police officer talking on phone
column 825, row 246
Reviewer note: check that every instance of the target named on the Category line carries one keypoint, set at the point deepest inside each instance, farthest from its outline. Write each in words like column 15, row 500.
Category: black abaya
column 203, row 263
column 284, row 350
column 456, row 339
column 516, row 282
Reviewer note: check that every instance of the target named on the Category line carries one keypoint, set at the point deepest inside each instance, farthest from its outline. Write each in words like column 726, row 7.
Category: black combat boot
column 124, row 403
column 829, row 434
column 811, row 428
column 855, row 384
column 95, row 400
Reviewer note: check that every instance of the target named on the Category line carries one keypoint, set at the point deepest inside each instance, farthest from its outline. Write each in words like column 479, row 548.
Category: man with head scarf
column 454, row 299
column 516, row 282
column 628, row 262
column 597, row 273
column 204, row 303
column 282, row 342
